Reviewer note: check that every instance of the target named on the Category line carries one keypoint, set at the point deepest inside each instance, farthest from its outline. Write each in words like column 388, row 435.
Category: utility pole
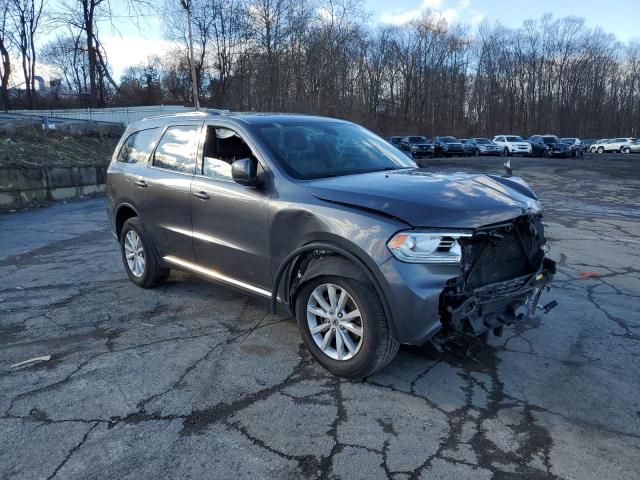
column 186, row 4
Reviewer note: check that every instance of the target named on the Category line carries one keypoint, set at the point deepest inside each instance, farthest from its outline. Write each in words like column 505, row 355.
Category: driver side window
column 222, row 147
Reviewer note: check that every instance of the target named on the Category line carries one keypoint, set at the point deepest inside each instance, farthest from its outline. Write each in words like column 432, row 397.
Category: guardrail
column 124, row 115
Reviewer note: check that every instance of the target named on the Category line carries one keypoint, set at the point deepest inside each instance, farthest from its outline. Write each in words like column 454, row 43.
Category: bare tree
column 25, row 16
column 67, row 54
column 5, row 59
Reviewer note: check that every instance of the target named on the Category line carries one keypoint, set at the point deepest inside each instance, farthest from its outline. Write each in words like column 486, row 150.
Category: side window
column 500, row 139
column 176, row 150
column 222, row 147
column 137, row 147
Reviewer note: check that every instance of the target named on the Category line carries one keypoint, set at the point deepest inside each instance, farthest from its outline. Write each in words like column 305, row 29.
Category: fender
column 356, row 264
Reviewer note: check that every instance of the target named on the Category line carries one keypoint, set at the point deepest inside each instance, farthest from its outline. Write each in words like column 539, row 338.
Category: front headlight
column 427, row 247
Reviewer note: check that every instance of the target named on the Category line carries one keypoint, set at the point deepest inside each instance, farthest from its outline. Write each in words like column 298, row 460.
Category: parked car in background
column 480, row 146
column 549, row 146
column 365, row 250
column 395, row 140
column 417, row 146
column 615, row 145
column 633, row 148
column 587, row 142
column 575, row 144
column 448, row 146
column 512, row 145
column 594, row 147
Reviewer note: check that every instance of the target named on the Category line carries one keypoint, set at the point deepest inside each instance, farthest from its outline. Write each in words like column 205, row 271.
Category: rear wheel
column 343, row 324
column 139, row 256
column 625, row 150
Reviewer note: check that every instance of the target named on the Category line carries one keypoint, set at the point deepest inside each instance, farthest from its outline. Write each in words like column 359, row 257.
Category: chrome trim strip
column 217, row 275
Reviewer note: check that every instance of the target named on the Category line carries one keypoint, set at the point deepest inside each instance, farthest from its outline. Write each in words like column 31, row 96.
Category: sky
column 131, row 44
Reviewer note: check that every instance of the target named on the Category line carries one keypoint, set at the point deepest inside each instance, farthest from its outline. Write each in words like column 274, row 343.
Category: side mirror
column 245, row 172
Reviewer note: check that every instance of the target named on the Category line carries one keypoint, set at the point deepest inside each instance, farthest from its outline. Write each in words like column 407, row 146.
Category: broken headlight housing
column 415, row 246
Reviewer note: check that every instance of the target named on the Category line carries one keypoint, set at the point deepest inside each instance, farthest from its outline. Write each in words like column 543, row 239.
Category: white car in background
column 599, row 143
column 615, row 145
column 512, row 145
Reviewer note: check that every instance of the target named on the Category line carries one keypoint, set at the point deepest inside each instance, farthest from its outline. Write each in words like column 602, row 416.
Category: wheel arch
column 124, row 212
column 325, row 258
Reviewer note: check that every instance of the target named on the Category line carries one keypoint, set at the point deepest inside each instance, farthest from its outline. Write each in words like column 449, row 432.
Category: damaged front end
column 504, row 271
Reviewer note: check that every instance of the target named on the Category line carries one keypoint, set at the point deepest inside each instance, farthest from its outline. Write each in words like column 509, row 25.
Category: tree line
column 326, row 57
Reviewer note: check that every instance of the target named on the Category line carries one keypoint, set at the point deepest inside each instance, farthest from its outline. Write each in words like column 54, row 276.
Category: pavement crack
column 72, row 451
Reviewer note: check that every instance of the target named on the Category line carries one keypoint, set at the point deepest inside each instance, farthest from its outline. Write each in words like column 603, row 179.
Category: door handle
column 201, row 195
column 141, row 183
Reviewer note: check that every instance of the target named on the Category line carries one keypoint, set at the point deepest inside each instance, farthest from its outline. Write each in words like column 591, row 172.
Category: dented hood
column 423, row 198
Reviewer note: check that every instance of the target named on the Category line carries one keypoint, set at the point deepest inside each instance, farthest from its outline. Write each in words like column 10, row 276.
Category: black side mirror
column 245, row 172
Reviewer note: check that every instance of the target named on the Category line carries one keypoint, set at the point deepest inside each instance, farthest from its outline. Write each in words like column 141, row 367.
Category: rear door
column 162, row 191
column 230, row 221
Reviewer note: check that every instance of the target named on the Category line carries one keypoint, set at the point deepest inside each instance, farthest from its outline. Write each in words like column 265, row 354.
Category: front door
column 230, row 222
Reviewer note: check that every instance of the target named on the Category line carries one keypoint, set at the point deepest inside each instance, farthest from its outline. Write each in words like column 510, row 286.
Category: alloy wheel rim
column 134, row 253
column 335, row 322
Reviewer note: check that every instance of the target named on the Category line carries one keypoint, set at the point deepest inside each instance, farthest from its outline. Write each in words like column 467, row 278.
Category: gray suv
column 332, row 222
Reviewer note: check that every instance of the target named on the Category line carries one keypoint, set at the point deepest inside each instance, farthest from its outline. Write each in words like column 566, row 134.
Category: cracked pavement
column 194, row 380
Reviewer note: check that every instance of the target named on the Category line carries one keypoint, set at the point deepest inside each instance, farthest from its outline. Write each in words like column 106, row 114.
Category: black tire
column 154, row 273
column 477, row 152
column 378, row 347
column 600, row 150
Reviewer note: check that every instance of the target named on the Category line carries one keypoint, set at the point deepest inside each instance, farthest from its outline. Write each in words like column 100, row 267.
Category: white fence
column 124, row 115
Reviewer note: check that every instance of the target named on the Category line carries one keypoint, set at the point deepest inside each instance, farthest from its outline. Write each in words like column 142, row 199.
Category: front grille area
column 503, row 253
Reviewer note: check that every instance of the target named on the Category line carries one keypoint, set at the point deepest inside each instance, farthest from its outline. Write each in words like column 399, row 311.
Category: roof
column 248, row 118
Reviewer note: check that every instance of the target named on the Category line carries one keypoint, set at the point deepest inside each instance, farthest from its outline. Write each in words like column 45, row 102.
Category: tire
column 477, row 152
column 505, row 152
column 374, row 349
column 152, row 273
column 600, row 150
column 625, row 150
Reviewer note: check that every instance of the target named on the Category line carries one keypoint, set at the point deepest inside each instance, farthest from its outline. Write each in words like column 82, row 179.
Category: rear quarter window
column 137, row 147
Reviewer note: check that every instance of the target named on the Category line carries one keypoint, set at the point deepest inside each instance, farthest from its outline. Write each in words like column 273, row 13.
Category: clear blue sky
column 130, row 44
column 621, row 17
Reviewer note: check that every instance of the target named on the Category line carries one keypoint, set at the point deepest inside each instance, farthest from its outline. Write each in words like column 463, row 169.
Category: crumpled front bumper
column 492, row 306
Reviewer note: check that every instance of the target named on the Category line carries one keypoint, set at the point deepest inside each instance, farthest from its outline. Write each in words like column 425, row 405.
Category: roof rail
column 190, row 113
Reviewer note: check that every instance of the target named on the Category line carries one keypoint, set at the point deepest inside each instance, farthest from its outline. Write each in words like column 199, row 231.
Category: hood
column 422, row 198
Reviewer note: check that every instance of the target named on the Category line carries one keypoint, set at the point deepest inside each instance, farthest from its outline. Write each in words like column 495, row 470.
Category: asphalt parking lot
column 194, row 380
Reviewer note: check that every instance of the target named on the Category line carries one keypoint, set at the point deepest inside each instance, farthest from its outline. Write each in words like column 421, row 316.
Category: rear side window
column 176, row 149
column 137, row 147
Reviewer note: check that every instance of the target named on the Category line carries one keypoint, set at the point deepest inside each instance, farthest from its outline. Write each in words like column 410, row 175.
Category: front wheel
column 343, row 324
column 600, row 150
column 625, row 150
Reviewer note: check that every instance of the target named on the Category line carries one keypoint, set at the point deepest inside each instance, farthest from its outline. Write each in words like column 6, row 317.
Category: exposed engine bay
column 504, row 271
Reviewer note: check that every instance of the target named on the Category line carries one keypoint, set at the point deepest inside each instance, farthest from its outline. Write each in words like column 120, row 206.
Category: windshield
column 483, row 141
column 568, row 140
column 418, row 140
column 549, row 140
column 448, row 140
column 318, row 150
column 514, row 139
